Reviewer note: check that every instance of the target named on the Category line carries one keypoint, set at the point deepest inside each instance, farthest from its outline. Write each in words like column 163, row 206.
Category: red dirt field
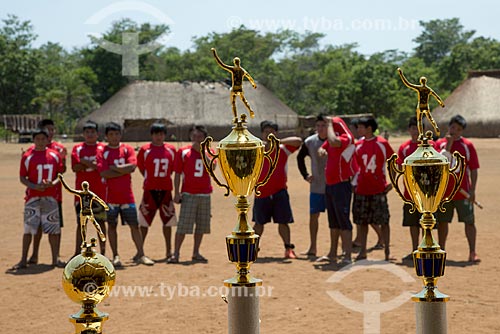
column 185, row 297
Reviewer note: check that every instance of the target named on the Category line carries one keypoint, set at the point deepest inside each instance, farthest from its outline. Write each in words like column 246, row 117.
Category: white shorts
column 44, row 212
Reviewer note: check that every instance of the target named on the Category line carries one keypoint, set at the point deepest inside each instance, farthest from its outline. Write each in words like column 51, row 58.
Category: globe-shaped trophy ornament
column 87, row 280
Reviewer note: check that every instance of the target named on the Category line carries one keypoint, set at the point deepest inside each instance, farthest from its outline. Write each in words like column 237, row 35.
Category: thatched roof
column 477, row 99
column 183, row 104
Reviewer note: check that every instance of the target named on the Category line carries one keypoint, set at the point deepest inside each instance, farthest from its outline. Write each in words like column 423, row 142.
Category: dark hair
column 268, row 124
column 354, row 122
column 44, row 122
column 320, row 118
column 412, row 121
column 90, row 125
column 200, row 128
column 40, row 131
column 459, row 120
column 368, row 121
column 157, row 128
column 112, row 126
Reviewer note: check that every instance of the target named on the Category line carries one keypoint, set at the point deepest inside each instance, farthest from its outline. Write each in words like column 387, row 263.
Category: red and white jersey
column 340, row 165
column 56, row 146
column 405, row 150
column 467, row 149
column 118, row 189
column 278, row 179
column 39, row 166
column 87, row 152
column 371, row 156
column 195, row 179
column 156, row 163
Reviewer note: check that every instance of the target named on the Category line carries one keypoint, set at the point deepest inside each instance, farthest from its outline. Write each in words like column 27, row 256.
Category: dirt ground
column 299, row 296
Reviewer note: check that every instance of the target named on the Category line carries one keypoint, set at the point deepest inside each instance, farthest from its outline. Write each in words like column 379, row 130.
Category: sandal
column 173, row 259
column 199, row 258
column 59, row 264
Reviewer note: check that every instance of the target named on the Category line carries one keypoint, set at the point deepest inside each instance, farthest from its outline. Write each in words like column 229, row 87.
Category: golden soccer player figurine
column 424, row 92
column 86, row 214
column 238, row 73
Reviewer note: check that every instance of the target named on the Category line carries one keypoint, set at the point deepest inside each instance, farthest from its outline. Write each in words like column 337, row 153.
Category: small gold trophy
column 426, row 174
column 241, row 156
column 89, row 277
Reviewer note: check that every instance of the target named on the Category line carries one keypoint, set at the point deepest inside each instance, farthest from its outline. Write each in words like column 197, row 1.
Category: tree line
column 65, row 85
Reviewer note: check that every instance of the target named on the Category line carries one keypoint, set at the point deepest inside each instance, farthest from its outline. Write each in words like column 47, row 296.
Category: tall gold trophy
column 89, row 277
column 426, row 174
column 241, row 156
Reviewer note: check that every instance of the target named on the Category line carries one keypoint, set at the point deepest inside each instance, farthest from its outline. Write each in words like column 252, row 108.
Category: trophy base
column 242, row 281
column 88, row 322
column 430, row 294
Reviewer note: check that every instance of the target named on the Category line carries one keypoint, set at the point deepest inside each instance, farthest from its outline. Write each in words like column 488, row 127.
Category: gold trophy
column 241, row 157
column 89, row 277
column 426, row 174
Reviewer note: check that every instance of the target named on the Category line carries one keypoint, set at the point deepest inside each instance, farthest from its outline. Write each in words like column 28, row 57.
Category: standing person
column 48, row 124
column 38, row 172
column 316, row 179
column 84, row 164
column 274, row 201
column 340, row 168
column 155, row 161
column 195, row 195
column 371, row 187
column 464, row 198
column 116, row 164
column 411, row 220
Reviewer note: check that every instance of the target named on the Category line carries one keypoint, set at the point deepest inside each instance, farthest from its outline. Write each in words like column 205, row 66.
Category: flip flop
column 173, row 259
column 308, row 254
column 59, row 264
column 323, row 258
column 199, row 258
column 17, row 267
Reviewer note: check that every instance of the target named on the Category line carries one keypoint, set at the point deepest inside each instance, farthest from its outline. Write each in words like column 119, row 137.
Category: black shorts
column 276, row 207
column 338, row 204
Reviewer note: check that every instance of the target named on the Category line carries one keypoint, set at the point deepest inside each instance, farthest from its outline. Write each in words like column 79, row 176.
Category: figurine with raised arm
column 86, row 198
column 424, row 92
column 238, row 73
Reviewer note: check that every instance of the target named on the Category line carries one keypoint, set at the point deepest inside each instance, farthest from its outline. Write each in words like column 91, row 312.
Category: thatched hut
column 182, row 104
column 477, row 99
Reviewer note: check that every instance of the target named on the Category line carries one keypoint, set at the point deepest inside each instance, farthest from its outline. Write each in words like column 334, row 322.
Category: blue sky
column 374, row 25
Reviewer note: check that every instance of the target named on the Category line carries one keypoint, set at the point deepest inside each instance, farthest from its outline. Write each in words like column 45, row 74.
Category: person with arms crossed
column 116, row 164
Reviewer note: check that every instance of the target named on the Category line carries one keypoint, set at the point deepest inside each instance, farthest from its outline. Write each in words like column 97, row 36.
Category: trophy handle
column 275, row 145
column 394, row 174
column 458, row 179
column 209, row 163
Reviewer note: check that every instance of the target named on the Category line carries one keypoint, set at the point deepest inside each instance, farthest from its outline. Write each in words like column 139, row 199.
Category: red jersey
column 38, row 166
column 56, row 146
column 87, row 152
column 371, row 156
column 278, row 179
column 156, row 163
column 405, row 150
column 118, row 189
column 195, row 179
column 467, row 149
column 340, row 165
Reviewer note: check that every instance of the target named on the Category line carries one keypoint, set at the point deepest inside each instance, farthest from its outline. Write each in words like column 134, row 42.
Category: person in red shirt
column 370, row 201
column 48, row 124
column 155, row 161
column 274, row 201
column 340, row 168
column 464, row 198
column 195, row 195
column 38, row 172
column 84, row 164
column 116, row 164
column 411, row 219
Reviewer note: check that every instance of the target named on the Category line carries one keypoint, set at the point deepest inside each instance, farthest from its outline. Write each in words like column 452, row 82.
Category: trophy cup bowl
column 241, row 157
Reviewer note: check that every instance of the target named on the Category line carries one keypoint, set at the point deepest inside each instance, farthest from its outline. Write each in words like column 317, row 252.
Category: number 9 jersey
column 195, row 179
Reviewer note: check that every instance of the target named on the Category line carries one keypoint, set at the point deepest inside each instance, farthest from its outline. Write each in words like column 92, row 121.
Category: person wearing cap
column 38, row 172
column 274, row 201
column 463, row 201
column 84, row 164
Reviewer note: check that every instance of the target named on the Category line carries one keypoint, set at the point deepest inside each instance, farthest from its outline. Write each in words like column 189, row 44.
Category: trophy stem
column 242, row 227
